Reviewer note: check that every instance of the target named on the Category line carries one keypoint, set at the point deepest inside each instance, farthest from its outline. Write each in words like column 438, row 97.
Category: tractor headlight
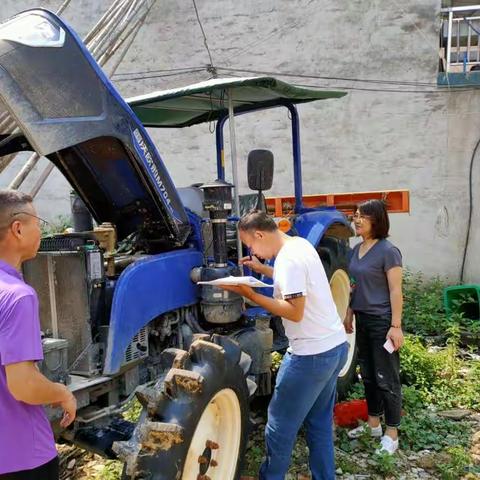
column 34, row 31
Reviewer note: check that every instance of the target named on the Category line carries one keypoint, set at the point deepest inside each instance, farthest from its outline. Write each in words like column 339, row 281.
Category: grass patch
column 439, row 376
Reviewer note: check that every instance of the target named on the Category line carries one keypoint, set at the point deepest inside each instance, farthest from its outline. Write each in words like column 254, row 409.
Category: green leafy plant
column 411, row 399
column 133, row 411
column 423, row 310
column 439, row 376
column 465, row 313
column 356, row 392
column 426, row 430
column 456, row 464
column 343, row 442
column 276, row 361
column 253, row 457
column 111, row 471
column 385, row 465
column 419, row 367
column 366, row 441
column 346, row 464
column 424, row 313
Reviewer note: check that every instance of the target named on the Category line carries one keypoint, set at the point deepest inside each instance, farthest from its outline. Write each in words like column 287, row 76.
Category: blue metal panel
column 458, row 79
column 145, row 290
column 174, row 207
column 253, row 312
column 312, row 225
column 195, row 239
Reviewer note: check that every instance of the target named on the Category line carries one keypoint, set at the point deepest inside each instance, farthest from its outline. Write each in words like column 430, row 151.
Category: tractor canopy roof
column 208, row 101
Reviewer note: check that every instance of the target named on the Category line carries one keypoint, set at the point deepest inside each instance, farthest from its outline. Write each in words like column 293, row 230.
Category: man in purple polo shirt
column 27, row 447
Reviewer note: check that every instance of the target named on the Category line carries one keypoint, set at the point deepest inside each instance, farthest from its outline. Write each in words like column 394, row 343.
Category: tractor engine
column 70, row 276
column 224, row 310
column 218, row 306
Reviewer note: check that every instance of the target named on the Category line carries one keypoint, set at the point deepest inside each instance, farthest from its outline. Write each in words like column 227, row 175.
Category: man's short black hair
column 11, row 201
column 376, row 210
column 257, row 220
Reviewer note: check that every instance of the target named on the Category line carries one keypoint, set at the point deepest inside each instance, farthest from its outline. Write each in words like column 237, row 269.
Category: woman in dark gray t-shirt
column 376, row 302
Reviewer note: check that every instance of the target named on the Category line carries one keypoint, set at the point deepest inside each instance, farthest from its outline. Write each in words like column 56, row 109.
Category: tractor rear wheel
column 195, row 420
column 334, row 254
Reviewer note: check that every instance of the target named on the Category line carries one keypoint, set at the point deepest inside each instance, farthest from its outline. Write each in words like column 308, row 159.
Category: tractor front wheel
column 195, row 420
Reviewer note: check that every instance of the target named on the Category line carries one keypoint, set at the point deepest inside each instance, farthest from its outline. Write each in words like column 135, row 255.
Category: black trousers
column 48, row 471
column 380, row 370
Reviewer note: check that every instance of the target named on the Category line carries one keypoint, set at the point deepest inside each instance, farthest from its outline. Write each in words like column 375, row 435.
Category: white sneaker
column 387, row 445
column 359, row 431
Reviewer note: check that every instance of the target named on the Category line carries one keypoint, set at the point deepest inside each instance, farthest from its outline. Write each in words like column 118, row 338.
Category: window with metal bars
column 460, row 37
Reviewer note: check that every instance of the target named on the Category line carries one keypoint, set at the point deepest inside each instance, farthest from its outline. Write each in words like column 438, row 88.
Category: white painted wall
column 365, row 141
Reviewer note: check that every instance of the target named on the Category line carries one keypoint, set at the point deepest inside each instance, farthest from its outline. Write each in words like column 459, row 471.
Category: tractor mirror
column 260, row 170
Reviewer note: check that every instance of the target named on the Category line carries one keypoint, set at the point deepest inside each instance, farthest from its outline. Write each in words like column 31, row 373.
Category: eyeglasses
column 358, row 216
column 42, row 222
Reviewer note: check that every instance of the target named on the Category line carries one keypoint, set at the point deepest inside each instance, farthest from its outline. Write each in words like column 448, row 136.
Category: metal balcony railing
column 460, row 39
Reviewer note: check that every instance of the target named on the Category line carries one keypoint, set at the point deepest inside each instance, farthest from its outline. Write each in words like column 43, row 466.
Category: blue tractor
column 120, row 306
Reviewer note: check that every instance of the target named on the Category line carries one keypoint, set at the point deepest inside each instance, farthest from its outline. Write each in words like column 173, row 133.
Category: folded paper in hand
column 250, row 281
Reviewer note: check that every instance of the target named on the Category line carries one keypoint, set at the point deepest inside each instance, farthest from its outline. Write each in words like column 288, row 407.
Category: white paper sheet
column 250, row 281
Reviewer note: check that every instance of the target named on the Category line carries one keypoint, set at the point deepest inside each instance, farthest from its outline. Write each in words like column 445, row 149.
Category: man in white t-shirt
column 306, row 382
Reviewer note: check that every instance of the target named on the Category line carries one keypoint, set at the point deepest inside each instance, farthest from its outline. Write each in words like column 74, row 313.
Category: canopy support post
column 233, row 152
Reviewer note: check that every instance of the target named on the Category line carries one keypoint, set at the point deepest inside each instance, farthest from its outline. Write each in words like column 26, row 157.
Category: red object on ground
column 348, row 414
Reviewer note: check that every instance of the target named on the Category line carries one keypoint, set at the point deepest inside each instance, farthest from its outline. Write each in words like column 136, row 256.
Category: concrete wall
column 369, row 140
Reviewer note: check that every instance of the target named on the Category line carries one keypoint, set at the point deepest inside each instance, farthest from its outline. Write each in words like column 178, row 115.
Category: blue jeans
column 304, row 393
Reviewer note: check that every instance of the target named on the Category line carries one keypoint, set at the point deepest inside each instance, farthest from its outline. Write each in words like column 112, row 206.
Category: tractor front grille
column 65, row 243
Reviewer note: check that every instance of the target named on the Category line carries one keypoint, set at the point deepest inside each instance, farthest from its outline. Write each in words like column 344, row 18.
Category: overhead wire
column 365, row 89
column 160, row 70
column 285, row 74
column 325, row 77
column 205, row 42
column 164, row 75
column 343, row 87
column 231, row 72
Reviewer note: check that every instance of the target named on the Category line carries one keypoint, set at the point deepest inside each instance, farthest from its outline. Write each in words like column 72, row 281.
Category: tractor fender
column 146, row 289
column 314, row 225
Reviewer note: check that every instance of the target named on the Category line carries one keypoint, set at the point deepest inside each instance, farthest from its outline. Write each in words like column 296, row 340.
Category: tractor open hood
column 208, row 101
column 65, row 108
